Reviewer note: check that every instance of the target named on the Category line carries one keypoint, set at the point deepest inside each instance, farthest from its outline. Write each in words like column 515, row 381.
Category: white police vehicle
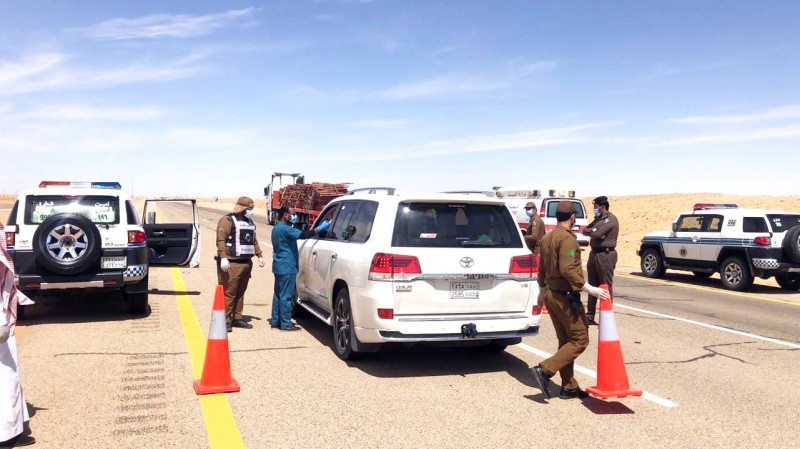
column 70, row 236
column 546, row 202
column 739, row 244
column 403, row 267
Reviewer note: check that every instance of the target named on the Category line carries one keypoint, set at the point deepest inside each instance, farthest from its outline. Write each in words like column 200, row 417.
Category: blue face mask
column 293, row 218
column 596, row 212
column 529, row 212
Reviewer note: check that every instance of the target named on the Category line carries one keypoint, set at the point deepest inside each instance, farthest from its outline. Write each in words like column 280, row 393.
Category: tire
column 67, row 244
column 702, row 274
column 138, row 303
column 652, row 264
column 735, row 274
column 791, row 243
column 788, row 281
column 343, row 327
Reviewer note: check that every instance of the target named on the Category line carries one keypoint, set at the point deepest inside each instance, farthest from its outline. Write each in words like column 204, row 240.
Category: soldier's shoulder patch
column 606, row 221
column 571, row 252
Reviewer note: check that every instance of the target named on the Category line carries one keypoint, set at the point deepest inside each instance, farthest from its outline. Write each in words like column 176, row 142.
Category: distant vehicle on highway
column 290, row 189
column 65, row 237
column 396, row 267
column 739, row 244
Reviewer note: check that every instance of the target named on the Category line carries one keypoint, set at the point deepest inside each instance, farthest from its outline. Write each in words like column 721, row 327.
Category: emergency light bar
column 701, row 206
column 82, row 185
column 562, row 193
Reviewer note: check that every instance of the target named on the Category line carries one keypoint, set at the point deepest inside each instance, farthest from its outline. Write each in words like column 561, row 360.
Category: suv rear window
column 783, row 222
column 754, row 224
column 454, row 225
column 553, row 204
column 98, row 209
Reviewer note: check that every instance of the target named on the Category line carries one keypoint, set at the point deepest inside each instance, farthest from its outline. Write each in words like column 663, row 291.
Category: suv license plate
column 464, row 290
column 113, row 262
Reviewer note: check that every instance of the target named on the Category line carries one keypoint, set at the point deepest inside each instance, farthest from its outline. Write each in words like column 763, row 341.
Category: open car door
column 173, row 232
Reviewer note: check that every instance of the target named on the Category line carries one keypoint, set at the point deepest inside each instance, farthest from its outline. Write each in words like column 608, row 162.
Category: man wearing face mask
column 561, row 276
column 236, row 246
column 284, row 266
column 535, row 231
column 602, row 232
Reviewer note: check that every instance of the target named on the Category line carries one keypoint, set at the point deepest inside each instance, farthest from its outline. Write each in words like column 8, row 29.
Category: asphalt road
column 719, row 370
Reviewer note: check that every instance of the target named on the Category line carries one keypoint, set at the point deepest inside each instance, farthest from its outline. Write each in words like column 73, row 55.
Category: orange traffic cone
column 217, row 366
column 612, row 377
column 544, row 308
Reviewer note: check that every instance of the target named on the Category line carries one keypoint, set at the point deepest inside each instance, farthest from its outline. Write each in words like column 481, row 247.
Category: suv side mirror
column 266, row 191
column 674, row 227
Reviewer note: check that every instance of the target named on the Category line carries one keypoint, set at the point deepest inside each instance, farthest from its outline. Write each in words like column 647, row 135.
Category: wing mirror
column 674, row 227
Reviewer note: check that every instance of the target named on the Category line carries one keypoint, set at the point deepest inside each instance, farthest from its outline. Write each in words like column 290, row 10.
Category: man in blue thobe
column 284, row 266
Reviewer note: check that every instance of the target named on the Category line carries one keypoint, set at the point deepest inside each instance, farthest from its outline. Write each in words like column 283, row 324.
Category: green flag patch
column 571, row 252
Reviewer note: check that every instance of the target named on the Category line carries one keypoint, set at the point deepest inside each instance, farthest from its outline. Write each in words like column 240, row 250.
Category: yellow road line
column 707, row 289
column 223, row 433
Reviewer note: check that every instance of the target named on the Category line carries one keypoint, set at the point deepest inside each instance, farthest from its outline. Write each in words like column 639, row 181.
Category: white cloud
column 48, row 71
column 775, row 114
column 15, row 71
column 785, row 132
column 382, row 124
column 165, row 25
column 91, row 113
column 460, row 83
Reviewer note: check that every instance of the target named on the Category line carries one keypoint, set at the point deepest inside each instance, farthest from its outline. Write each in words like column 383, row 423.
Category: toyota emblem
column 467, row 262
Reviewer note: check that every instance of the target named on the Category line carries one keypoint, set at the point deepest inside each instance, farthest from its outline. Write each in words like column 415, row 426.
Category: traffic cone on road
column 217, row 366
column 612, row 377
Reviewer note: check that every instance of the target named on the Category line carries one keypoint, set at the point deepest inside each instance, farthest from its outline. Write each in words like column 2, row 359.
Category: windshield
column 553, row 204
column 783, row 222
column 454, row 225
column 98, row 209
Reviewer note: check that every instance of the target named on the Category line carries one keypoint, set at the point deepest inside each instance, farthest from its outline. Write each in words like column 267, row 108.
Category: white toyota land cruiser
column 418, row 267
column 739, row 244
column 69, row 236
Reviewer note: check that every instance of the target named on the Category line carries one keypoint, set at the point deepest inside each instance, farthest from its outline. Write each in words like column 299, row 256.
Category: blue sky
column 197, row 98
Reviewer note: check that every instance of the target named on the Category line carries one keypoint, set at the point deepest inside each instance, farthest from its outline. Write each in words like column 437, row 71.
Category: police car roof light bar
column 85, row 185
column 700, row 206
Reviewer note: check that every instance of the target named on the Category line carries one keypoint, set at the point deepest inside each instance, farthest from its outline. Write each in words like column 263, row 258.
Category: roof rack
column 81, row 184
column 372, row 190
column 473, row 192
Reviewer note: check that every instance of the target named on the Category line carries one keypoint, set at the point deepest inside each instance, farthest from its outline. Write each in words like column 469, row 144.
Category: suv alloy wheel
column 652, row 263
column 67, row 244
column 735, row 274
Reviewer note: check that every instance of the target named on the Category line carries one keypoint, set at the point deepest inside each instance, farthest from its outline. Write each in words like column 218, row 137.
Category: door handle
column 158, row 233
column 314, row 253
column 695, row 238
column 334, row 256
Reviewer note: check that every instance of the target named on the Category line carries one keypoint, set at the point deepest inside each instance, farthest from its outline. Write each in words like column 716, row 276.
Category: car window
column 783, row 222
column 361, row 225
column 340, row 229
column 553, row 204
column 328, row 214
column 133, row 219
column 688, row 223
column 714, row 223
column 454, row 225
column 754, row 224
column 99, row 209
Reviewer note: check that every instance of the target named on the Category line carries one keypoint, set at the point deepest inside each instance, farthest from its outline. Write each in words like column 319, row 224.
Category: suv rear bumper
column 395, row 336
column 400, row 330
column 772, row 260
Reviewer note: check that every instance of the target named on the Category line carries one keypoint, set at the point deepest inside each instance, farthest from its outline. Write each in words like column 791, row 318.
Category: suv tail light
column 136, row 237
column 11, row 238
column 536, row 310
column 762, row 241
column 386, row 267
column 542, row 211
column 524, row 267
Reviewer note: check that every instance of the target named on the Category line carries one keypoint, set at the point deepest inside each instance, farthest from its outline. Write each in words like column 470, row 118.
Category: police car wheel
column 791, row 243
column 67, row 244
column 735, row 274
column 788, row 281
column 343, row 326
column 652, row 264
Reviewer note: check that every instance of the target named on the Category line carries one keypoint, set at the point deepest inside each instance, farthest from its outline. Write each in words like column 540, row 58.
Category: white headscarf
column 9, row 295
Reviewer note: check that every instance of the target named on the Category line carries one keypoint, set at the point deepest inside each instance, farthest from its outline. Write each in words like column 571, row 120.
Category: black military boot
column 566, row 393
column 542, row 380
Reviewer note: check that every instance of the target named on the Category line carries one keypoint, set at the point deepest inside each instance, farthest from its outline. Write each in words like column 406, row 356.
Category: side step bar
column 316, row 310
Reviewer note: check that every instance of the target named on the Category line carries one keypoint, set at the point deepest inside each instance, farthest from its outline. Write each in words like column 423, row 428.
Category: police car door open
column 173, row 232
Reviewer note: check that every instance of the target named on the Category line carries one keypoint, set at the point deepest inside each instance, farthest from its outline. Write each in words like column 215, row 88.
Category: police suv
column 739, row 244
column 70, row 236
column 414, row 267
